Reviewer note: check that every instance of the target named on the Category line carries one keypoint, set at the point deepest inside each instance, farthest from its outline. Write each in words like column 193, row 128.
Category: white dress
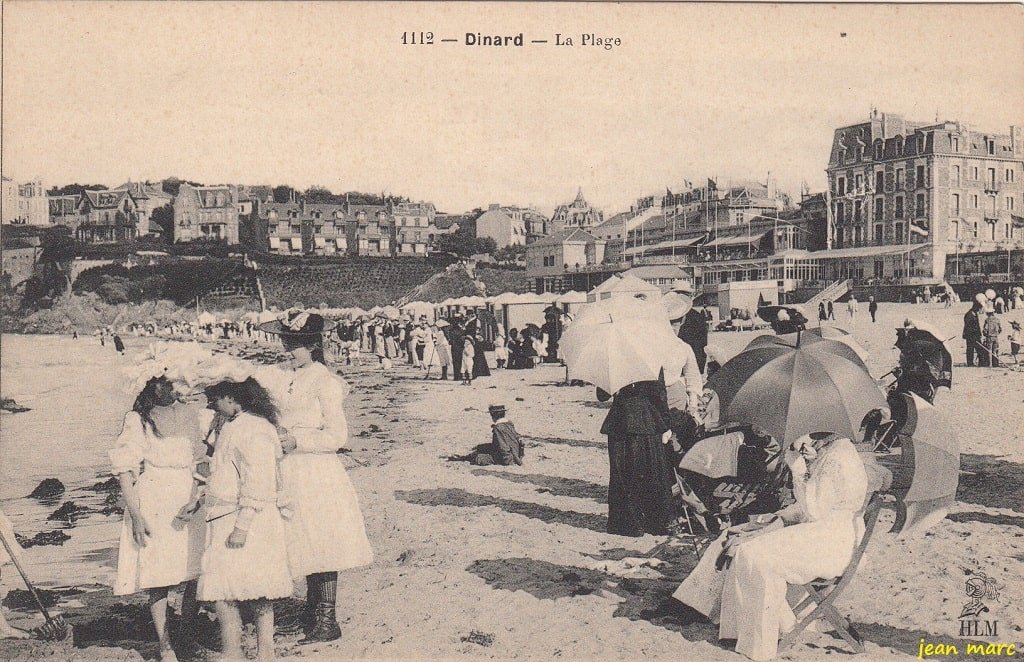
column 243, row 475
column 163, row 467
column 753, row 590
column 326, row 532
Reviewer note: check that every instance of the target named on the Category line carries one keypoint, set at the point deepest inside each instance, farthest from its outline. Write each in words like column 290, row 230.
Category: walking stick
column 992, row 356
column 55, row 628
column 433, row 348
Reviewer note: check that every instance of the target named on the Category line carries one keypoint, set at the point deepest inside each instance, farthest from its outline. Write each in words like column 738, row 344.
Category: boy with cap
column 1014, row 339
column 992, row 329
column 506, row 446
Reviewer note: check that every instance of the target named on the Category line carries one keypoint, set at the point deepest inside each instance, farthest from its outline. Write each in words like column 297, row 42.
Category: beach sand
column 513, row 562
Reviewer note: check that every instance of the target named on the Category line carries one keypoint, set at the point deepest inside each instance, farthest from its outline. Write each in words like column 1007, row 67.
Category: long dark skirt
column 640, row 485
column 480, row 368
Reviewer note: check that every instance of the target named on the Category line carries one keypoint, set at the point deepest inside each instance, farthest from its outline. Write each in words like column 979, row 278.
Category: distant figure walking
column 872, row 308
column 851, row 306
column 831, row 310
column 118, row 344
column 972, row 334
column 822, row 312
column 992, row 330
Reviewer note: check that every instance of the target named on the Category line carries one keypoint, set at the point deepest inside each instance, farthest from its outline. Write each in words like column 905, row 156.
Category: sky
column 326, row 94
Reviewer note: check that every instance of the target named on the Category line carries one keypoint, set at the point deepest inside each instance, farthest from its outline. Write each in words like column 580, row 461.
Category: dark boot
column 444, row 373
column 326, row 627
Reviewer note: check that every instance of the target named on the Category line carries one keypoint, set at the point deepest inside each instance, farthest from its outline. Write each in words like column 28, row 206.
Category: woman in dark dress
column 640, row 481
column 515, row 350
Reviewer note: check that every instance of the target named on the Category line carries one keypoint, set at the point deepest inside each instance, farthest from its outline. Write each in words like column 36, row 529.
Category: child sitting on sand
column 506, row 445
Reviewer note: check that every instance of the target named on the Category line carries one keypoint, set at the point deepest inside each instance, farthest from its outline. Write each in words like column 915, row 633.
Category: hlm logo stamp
column 974, row 617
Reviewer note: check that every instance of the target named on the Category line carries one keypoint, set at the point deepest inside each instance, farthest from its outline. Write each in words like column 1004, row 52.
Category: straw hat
column 298, row 323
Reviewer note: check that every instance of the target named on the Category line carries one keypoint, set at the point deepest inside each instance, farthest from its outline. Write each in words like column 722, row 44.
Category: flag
column 1018, row 221
column 712, row 186
column 761, row 303
column 919, row 229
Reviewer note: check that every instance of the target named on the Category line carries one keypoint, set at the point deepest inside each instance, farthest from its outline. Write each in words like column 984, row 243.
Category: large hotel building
column 910, row 193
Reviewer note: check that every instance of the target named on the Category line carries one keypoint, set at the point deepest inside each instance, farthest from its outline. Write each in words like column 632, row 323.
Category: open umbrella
column 617, row 342
column 813, row 340
column 790, row 391
column 840, row 335
column 926, row 480
column 390, row 312
column 923, row 354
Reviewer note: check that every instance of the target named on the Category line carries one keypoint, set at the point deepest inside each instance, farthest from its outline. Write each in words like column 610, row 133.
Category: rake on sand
column 55, row 628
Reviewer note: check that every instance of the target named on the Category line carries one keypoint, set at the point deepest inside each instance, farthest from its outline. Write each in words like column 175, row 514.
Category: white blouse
column 138, row 445
column 312, row 405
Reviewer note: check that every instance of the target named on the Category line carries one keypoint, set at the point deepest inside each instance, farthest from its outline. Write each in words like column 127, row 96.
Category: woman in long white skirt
column 823, row 527
column 154, row 460
column 326, row 533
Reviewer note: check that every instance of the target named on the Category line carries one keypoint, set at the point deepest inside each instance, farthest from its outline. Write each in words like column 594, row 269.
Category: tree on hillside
column 164, row 217
column 510, row 254
column 322, row 195
column 75, row 189
column 284, row 193
column 172, row 185
column 464, row 244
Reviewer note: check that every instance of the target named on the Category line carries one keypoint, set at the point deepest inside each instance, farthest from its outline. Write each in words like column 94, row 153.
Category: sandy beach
column 511, row 562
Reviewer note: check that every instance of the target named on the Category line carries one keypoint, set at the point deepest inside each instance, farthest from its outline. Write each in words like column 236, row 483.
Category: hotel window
column 879, row 208
column 1009, row 203
column 841, row 186
column 898, row 228
column 956, row 175
column 956, row 204
column 992, row 230
column 975, row 230
column 879, row 268
column 860, row 183
column 974, row 201
column 856, row 211
column 878, row 151
column 296, row 229
column 879, row 181
column 899, row 206
column 879, row 233
column 1009, row 175
column 955, row 143
column 991, row 178
column 858, row 235
column 899, row 178
column 1008, row 230
column 920, row 176
column 956, row 228
column 839, row 212
column 991, row 145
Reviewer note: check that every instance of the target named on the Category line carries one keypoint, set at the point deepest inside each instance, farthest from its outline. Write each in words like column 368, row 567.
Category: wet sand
column 513, row 562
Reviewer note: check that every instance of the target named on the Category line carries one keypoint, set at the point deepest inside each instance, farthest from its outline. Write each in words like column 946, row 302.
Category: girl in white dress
column 154, row 460
column 246, row 557
column 326, row 533
column 821, row 530
column 500, row 351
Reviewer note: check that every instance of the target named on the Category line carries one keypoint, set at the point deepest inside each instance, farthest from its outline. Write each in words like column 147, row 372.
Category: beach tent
column 417, row 308
column 206, row 318
column 598, row 292
column 631, row 286
column 571, row 301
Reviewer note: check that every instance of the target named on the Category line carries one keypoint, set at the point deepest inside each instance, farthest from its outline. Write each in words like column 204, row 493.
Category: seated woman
column 742, row 580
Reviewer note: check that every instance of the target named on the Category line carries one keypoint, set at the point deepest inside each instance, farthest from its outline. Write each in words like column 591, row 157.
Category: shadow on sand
column 985, row 518
column 988, row 481
column 464, row 499
column 575, row 443
column 570, row 487
column 651, row 600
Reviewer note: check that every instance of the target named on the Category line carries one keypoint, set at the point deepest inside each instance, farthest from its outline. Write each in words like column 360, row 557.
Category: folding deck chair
column 825, row 592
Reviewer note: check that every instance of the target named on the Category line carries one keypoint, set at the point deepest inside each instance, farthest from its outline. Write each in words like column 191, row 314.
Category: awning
column 296, row 243
column 319, row 242
column 865, row 251
column 741, row 240
column 275, row 243
column 664, row 245
column 340, row 242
